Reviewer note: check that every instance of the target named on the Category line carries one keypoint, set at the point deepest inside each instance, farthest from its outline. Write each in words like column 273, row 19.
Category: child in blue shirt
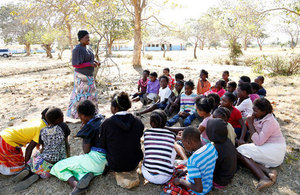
column 200, row 166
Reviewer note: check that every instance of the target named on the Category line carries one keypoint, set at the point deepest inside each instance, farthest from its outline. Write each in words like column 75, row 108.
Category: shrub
column 168, row 58
column 235, row 50
column 256, row 63
column 148, row 57
column 278, row 65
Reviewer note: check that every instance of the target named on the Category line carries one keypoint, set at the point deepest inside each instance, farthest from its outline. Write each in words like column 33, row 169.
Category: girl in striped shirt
column 159, row 153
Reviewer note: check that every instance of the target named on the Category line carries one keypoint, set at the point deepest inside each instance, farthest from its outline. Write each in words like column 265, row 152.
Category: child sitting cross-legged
column 159, row 153
column 187, row 107
column 174, row 98
column 78, row 171
column 142, row 86
column 152, row 89
column 226, row 163
column 164, row 94
column 54, row 142
column 197, row 176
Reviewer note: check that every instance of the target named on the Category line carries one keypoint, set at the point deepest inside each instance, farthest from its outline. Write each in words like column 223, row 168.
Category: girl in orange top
column 203, row 84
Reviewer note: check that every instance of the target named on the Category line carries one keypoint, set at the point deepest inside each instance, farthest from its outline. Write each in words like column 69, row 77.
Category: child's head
column 216, row 130
column 222, row 113
column 120, row 102
column 54, row 116
column 86, row 110
column 244, row 79
column 203, row 75
column 243, row 91
column 259, row 80
column 153, row 76
column 179, row 85
column 166, row 71
column 261, row 107
column 146, row 74
column 254, row 87
column 191, row 139
column 225, row 75
column 227, row 100
column 158, row 119
column 163, row 80
column 189, row 87
column 220, row 84
column 204, row 105
column 217, row 99
column 44, row 113
column 179, row 77
column 231, row 86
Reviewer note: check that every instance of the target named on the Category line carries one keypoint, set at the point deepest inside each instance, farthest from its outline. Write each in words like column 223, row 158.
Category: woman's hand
column 180, row 173
column 95, row 64
column 241, row 142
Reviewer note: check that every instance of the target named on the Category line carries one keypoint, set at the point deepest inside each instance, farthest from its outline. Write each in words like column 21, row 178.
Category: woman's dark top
column 82, row 55
column 90, row 132
column 120, row 137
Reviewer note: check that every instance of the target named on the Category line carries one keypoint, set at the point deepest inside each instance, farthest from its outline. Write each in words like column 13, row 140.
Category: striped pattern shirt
column 187, row 103
column 201, row 165
column 159, row 145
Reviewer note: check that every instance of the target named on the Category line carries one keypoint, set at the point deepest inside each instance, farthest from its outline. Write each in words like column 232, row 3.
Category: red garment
column 171, row 82
column 11, row 159
column 172, row 189
column 83, row 65
column 235, row 117
column 143, row 85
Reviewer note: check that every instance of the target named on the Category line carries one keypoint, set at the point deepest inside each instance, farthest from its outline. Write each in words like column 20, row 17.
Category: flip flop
column 84, row 182
column 77, row 191
column 26, row 183
column 20, row 176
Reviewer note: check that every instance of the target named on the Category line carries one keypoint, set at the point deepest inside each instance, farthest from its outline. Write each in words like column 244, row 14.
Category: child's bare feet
column 264, row 183
column 273, row 175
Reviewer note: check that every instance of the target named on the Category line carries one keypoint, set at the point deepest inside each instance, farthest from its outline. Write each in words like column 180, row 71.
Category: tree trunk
column 201, row 46
column 136, row 61
column 27, row 48
column 260, row 47
column 96, row 70
column 69, row 37
column 245, row 44
column 109, row 45
column 48, row 49
column 195, row 50
column 60, row 53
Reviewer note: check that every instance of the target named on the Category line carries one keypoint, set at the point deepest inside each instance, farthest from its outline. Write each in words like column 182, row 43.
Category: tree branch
column 163, row 25
column 280, row 8
column 127, row 8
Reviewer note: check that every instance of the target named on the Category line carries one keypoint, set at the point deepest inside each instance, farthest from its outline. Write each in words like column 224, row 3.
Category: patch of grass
column 148, row 57
column 168, row 58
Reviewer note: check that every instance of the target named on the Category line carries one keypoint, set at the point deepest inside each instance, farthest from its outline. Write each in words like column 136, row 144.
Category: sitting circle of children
column 236, row 124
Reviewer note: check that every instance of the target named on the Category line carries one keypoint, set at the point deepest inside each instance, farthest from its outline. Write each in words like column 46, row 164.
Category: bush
column 256, row 63
column 168, row 58
column 278, row 65
column 235, row 51
column 148, row 57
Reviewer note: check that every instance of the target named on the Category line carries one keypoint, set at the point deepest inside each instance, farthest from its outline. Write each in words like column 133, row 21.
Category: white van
column 5, row 53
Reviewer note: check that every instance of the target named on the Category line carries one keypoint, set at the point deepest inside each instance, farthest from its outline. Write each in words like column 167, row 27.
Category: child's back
column 159, row 155
column 201, row 165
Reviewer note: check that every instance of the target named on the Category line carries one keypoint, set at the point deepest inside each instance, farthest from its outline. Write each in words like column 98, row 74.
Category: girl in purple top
column 268, row 147
column 152, row 88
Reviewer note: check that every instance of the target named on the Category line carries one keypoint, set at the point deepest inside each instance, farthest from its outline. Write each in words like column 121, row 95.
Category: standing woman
column 84, row 82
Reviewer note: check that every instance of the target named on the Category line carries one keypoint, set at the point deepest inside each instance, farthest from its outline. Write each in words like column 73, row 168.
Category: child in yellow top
column 12, row 139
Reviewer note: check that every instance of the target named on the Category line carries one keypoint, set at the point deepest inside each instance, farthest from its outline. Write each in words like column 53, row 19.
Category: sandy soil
column 29, row 84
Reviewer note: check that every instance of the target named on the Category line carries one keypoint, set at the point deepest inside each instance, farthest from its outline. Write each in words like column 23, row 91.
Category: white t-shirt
column 164, row 93
column 245, row 107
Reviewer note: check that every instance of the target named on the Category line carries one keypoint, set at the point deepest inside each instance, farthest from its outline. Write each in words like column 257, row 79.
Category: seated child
column 231, row 87
column 235, row 119
column 203, row 84
column 187, row 107
column 217, row 99
column 152, row 89
column 12, row 139
column 225, row 77
column 204, row 107
column 179, row 77
column 121, row 134
column 159, row 153
column 224, row 114
column 254, row 88
column 219, row 88
column 164, row 94
column 142, row 86
column 260, row 80
column 78, row 171
column 226, row 163
column 197, row 176
column 171, row 82
column 174, row 98
column 54, row 142
column 244, row 79
column 244, row 103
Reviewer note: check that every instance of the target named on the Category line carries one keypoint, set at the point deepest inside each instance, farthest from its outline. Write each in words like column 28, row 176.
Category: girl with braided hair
column 159, row 154
column 120, row 136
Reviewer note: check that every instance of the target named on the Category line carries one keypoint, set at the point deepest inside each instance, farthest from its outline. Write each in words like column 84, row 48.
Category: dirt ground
column 29, row 84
